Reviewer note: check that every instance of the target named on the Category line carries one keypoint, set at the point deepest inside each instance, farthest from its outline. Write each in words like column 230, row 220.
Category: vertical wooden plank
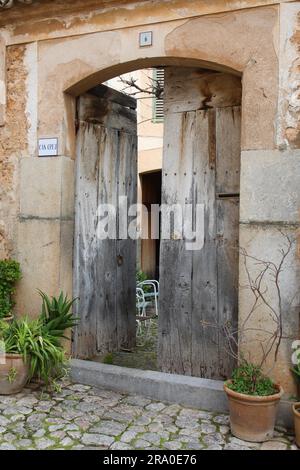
column 106, row 281
column 126, row 249
column 85, row 247
column 175, row 319
column 228, row 134
column 227, row 258
column 204, row 281
column 228, row 146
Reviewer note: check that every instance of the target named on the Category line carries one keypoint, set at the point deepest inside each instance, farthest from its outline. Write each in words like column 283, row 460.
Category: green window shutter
column 158, row 103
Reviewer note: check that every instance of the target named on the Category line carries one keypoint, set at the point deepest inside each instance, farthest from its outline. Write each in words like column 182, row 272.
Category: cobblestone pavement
column 82, row 417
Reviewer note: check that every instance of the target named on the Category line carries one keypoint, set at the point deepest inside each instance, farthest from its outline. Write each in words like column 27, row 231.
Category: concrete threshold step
column 195, row 392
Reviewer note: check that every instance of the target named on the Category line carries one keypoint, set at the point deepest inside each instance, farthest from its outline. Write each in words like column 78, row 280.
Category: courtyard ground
column 82, row 417
column 143, row 356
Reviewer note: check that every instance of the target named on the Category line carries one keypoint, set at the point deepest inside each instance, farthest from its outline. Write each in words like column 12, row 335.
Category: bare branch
column 258, row 284
column 155, row 88
column 10, row 3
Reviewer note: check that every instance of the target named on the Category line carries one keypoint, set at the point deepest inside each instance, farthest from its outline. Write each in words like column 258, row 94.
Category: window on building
column 158, row 103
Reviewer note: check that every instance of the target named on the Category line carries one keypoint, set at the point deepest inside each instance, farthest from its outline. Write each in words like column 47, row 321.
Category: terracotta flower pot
column 296, row 410
column 13, row 374
column 252, row 418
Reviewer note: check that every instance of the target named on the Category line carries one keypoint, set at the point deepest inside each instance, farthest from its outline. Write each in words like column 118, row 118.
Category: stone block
column 39, row 256
column 47, row 187
column 270, row 186
column 40, row 187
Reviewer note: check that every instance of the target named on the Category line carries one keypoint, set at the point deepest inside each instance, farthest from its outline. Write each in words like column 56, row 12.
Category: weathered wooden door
column 201, row 164
column 104, row 269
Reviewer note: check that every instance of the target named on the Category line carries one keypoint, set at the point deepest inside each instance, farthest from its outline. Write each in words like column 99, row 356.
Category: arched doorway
column 200, row 168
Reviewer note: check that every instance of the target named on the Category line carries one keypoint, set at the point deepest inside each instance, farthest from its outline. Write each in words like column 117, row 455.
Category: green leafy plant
column 56, row 315
column 140, row 277
column 39, row 340
column 38, row 348
column 10, row 273
column 4, row 326
column 108, row 359
column 296, row 371
column 249, row 379
column 12, row 375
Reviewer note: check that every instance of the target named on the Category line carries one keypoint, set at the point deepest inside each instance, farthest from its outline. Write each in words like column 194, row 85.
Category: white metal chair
column 141, row 305
column 150, row 288
column 140, row 302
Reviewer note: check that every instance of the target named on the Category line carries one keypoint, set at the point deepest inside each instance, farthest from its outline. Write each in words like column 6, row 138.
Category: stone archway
column 74, row 65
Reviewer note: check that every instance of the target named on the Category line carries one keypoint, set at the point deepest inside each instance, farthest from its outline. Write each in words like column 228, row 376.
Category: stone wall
column 270, row 199
column 289, row 95
column 13, row 143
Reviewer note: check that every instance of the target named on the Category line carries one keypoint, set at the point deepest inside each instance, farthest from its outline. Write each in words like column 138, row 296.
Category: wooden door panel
column 104, row 269
column 188, row 278
column 201, row 164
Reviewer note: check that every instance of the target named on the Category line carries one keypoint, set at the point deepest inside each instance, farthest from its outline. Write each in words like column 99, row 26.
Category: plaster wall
column 269, row 211
column 289, row 83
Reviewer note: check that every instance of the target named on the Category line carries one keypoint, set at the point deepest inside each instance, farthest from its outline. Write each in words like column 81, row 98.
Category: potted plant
column 252, row 395
column 10, row 273
column 253, row 401
column 13, row 369
column 296, row 371
column 296, row 411
column 33, row 348
column 13, row 374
